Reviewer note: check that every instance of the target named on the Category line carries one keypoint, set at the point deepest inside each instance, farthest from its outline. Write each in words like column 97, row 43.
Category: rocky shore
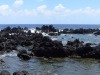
column 42, row 46
column 51, row 30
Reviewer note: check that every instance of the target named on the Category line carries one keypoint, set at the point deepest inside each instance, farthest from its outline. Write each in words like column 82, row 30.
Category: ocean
column 58, row 26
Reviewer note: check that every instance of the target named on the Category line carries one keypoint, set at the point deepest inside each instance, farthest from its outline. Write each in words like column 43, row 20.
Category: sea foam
column 13, row 53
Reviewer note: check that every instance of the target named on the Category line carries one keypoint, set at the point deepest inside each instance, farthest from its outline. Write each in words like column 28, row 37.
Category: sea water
column 58, row 26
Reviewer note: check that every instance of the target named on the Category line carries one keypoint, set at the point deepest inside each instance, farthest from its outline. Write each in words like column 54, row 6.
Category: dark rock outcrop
column 84, row 51
column 47, row 28
column 21, row 73
column 49, row 49
column 5, row 72
column 1, row 61
column 23, row 55
column 43, row 46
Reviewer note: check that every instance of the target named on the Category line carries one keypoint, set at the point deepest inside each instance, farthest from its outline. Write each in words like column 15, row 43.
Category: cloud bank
column 58, row 10
column 18, row 3
column 43, row 13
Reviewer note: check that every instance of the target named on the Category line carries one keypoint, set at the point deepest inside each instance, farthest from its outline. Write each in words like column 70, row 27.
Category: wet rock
column 24, row 55
column 78, row 31
column 53, row 33
column 84, row 51
column 97, row 32
column 1, row 61
column 5, row 72
column 22, row 52
column 70, row 43
column 96, row 52
column 26, row 43
column 78, row 48
column 49, row 49
column 97, row 47
column 1, row 47
column 21, row 73
column 47, row 28
column 42, row 46
column 76, row 43
column 69, row 50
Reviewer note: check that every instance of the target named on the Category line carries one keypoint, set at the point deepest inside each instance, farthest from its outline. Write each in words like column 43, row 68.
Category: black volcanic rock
column 5, row 72
column 21, row 73
column 49, row 49
column 47, row 28
column 42, row 46
column 97, row 32
column 84, row 51
column 23, row 55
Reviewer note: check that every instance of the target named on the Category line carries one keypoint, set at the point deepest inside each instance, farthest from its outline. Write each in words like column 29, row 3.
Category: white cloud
column 59, row 7
column 29, row 12
column 18, row 3
column 4, row 7
column 58, row 13
column 43, row 10
column 88, row 10
column 4, row 10
column 58, row 10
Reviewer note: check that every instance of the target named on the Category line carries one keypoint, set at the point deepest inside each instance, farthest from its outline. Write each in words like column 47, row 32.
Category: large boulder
column 49, row 49
column 22, row 54
column 97, row 33
column 84, row 51
column 96, row 52
column 21, row 73
column 1, row 61
column 5, row 72
column 76, row 43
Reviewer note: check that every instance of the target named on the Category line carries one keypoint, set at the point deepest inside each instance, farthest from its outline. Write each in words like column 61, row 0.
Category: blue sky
column 49, row 11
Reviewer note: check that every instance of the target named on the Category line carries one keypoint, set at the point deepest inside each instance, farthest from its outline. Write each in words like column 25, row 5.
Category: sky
column 49, row 11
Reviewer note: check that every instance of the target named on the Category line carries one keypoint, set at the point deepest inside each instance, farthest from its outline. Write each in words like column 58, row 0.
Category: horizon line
column 46, row 24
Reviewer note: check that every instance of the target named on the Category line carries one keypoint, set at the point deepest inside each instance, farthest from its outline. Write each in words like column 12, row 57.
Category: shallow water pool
column 55, row 66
